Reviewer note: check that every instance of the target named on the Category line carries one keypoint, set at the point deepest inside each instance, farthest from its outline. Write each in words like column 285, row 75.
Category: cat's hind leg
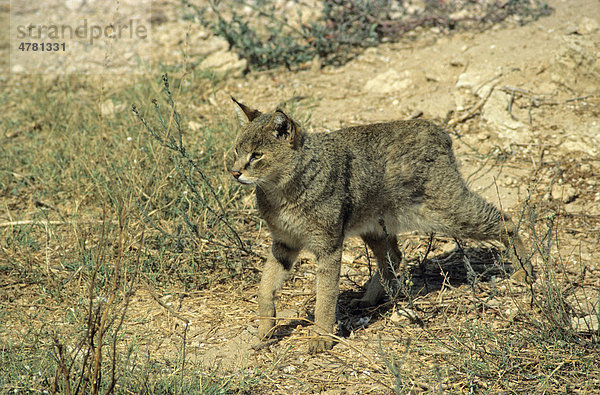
column 388, row 258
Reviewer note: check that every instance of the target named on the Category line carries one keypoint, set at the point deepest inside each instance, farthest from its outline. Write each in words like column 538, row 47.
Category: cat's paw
column 320, row 344
column 362, row 303
column 265, row 329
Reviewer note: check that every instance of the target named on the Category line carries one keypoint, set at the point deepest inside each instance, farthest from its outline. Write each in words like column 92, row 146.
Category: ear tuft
column 249, row 113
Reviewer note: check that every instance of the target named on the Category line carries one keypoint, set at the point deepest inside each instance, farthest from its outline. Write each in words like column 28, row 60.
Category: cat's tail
column 475, row 218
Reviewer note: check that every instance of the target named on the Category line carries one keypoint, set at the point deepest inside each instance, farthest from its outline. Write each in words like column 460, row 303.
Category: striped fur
column 374, row 181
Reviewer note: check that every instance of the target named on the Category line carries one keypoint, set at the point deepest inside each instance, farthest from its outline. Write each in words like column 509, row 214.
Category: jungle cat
column 374, row 181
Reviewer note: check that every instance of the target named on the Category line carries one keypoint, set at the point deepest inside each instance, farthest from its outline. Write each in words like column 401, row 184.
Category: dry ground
column 532, row 147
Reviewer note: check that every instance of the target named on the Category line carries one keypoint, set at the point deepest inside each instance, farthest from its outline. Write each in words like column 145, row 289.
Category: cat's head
column 265, row 146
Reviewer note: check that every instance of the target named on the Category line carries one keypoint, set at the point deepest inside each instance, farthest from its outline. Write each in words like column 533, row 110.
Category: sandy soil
column 544, row 152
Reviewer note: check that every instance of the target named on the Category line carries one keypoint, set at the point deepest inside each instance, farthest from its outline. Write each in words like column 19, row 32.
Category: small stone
column 389, row 81
column 290, row 369
column 565, row 193
column 209, row 46
column 107, row 108
column 588, row 26
column 574, row 208
column 468, row 80
column 225, row 62
column 457, row 62
column 495, row 114
column 589, row 323
column 17, row 68
column 483, row 136
column 404, row 315
column 510, row 181
column 194, row 126
column 512, row 313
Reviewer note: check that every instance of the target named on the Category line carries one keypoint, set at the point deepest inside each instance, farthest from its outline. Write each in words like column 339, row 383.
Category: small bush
column 267, row 37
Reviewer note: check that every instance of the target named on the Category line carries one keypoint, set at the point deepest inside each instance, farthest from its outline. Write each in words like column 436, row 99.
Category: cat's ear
column 245, row 113
column 285, row 128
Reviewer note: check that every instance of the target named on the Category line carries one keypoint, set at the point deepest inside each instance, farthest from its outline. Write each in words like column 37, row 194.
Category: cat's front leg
column 276, row 270
column 328, row 280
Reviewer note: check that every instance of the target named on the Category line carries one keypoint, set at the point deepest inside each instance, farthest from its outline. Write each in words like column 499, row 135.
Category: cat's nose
column 236, row 174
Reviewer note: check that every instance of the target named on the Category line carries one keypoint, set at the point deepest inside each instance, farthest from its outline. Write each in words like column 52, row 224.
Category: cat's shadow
column 455, row 268
column 462, row 266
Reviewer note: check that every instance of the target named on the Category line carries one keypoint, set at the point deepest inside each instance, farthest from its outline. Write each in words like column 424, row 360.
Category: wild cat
column 314, row 190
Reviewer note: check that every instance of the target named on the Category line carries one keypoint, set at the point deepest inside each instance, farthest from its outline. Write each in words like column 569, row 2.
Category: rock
column 17, row 68
column 589, row 323
column 460, row 14
column 574, row 208
column 581, row 303
column 584, row 137
column 158, row 17
column 575, row 65
column 287, row 313
column 225, row 62
column 415, row 7
column 511, row 313
column 389, row 81
column 483, row 136
column 565, row 193
column 478, row 79
column 404, row 315
column 468, row 80
column 588, row 26
column 194, row 126
column 107, row 108
column 208, row 46
column 495, row 114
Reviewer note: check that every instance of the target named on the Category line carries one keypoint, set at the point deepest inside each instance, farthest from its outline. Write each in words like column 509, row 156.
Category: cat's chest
column 284, row 218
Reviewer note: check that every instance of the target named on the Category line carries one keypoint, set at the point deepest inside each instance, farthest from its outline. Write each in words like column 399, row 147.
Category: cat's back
column 379, row 140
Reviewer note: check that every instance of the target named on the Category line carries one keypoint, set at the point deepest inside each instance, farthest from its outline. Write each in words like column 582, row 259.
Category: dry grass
column 121, row 269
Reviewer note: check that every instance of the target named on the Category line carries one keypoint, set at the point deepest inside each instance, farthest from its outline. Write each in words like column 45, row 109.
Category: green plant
column 79, row 192
column 205, row 194
column 268, row 38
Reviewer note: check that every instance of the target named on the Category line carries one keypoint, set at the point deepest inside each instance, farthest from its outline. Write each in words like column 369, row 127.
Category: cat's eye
column 255, row 156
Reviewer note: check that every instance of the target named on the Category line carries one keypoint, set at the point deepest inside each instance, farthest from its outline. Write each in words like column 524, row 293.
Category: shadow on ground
column 462, row 266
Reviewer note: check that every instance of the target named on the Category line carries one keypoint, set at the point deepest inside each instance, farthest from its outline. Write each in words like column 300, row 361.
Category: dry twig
column 473, row 109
